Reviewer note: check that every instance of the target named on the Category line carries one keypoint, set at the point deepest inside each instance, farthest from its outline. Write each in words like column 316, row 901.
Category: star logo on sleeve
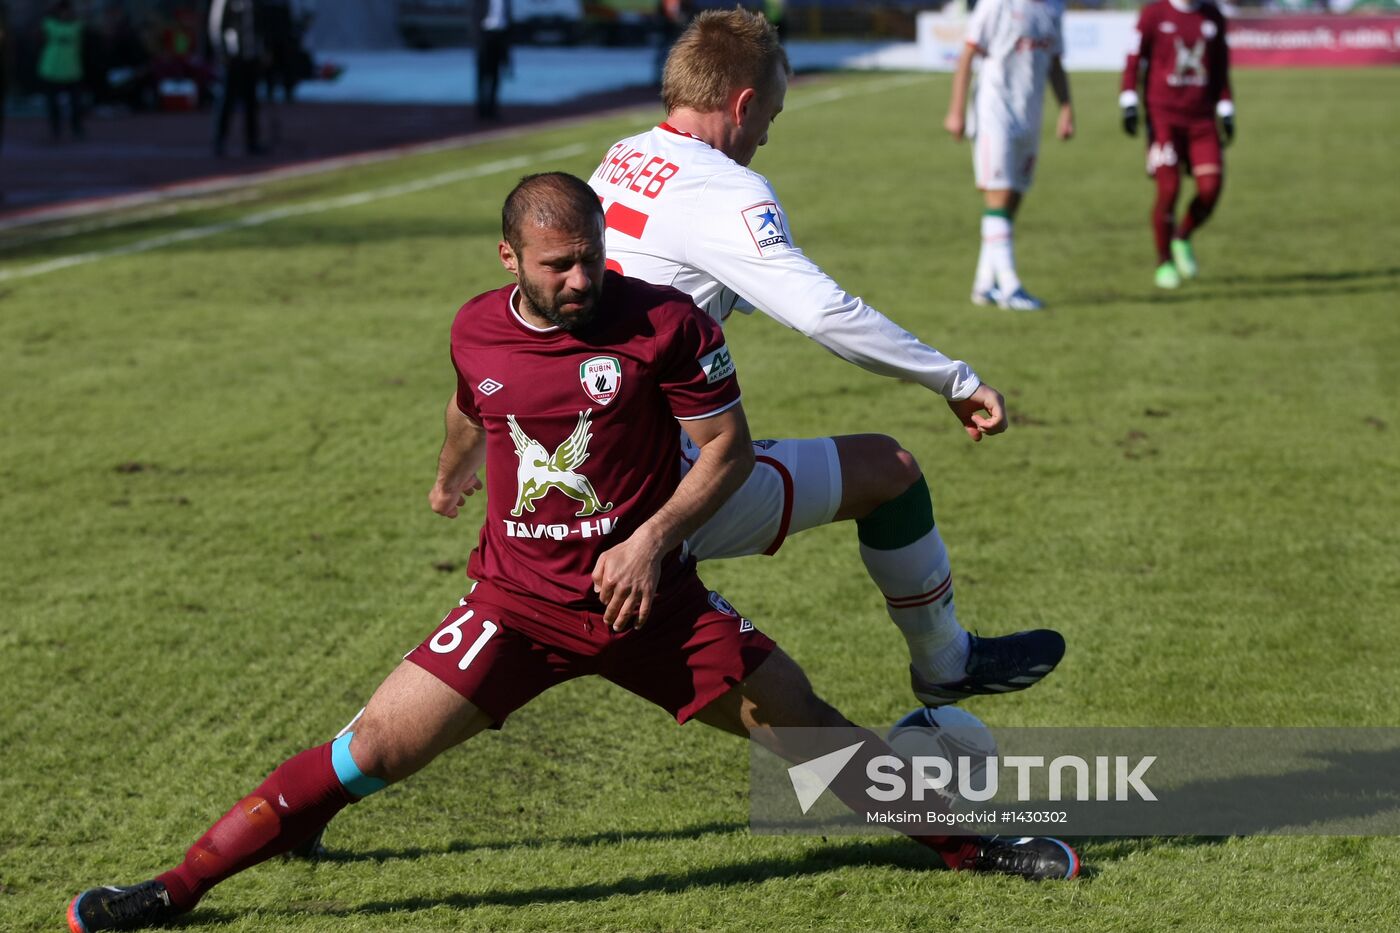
column 766, row 226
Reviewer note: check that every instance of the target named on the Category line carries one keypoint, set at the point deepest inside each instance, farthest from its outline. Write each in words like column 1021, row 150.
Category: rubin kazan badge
column 601, row 377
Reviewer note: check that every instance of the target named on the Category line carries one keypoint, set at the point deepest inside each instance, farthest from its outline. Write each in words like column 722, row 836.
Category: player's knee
column 1168, row 185
column 875, row 469
column 378, row 752
column 1208, row 187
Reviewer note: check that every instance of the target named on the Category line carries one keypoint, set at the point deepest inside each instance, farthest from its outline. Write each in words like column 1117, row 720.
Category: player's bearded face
column 561, row 276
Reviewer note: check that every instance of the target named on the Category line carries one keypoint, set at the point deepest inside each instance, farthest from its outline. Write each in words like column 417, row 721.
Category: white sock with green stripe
column 905, row 556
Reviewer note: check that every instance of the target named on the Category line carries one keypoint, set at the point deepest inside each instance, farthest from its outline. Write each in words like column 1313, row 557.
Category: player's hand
column 981, row 413
column 1064, row 126
column 1128, row 106
column 1225, row 111
column 955, row 124
column 625, row 579
column 446, row 500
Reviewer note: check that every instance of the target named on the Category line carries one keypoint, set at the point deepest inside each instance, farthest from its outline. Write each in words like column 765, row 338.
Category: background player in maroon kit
column 567, row 387
column 1182, row 58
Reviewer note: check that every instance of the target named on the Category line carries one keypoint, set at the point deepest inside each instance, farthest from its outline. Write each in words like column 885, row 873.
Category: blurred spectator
column 672, row 16
column 279, row 38
column 289, row 63
column 61, row 67
column 122, row 60
column 237, row 43
column 492, row 19
column 178, row 72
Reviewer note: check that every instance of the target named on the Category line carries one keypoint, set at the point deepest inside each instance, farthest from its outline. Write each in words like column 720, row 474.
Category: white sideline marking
column 134, row 217
column 375, row 194
column 294, row 210
column 841, row 93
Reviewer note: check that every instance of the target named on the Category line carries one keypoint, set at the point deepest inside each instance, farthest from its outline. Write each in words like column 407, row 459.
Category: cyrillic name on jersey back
column 631, row 168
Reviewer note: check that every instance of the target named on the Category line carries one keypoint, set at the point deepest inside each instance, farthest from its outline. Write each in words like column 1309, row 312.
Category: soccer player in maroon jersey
column 568, row 386
column 1181, row 57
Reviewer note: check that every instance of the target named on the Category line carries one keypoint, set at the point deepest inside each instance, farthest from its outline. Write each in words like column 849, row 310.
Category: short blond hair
column 722, row 51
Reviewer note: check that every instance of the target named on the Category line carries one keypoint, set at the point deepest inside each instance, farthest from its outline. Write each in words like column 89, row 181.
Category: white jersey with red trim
column 683, row 214
column 1017, row 40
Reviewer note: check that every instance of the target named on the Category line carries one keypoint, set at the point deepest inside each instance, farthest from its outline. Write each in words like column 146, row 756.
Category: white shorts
column 1002, row 160
column 795, row 485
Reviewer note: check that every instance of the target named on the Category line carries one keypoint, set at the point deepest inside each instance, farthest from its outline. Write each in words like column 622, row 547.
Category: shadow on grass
column 1300, row 284
column 583, row 841
column 889, row 853
column 1339, row 275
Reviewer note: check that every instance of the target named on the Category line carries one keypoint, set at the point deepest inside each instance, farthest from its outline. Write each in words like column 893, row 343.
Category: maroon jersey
column 582, row 445
column 1188, row 63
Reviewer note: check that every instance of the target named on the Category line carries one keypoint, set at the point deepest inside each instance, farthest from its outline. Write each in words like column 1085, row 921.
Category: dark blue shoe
column 996, row 665
column 132, row 908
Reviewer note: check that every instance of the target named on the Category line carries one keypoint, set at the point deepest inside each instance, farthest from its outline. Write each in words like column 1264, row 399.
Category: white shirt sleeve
column 744, row 242
column 979, row 24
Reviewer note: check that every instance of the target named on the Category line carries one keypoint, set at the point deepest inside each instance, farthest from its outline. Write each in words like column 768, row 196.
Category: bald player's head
column 550, row 201
column 552, row 229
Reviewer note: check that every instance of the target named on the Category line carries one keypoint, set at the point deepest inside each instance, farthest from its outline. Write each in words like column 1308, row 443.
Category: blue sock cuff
column 351, row 777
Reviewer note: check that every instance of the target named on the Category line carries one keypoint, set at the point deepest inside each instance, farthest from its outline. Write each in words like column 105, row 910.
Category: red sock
column 849, row 787
column 1207, row 193
column 954, row 850
column 1168, row 184
column 298, row 798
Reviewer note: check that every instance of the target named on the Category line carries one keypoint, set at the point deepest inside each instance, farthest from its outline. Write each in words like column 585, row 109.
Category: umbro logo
column 489, row 386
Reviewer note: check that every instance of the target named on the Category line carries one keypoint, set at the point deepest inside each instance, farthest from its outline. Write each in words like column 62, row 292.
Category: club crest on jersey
column 766, row 226
column 601, row 378
column 540, row 471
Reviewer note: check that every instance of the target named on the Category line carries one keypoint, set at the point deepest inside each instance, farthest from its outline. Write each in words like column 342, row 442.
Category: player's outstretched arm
column 625, row 576
column 981, row 413
column 793, row 290
column 463, row 452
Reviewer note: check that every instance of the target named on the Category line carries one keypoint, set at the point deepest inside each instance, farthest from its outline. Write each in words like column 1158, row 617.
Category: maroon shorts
column 1192, row 144
column 500, row 650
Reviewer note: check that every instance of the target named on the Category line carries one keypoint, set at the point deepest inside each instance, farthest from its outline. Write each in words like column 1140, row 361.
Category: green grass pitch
column 215, row 454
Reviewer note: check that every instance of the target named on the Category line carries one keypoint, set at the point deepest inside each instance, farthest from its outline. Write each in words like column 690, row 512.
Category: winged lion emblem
column 540, row 471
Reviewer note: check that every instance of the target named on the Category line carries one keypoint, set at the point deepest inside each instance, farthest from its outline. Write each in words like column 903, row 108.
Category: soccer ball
column 948, row 733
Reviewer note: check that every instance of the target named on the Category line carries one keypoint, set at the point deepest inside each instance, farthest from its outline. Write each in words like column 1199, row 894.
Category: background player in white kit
column 683, row 210
column 1019, row 43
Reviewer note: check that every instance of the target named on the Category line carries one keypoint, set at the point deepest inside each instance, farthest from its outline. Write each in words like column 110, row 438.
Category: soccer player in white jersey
column 1019, row 44
column 683, row 209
